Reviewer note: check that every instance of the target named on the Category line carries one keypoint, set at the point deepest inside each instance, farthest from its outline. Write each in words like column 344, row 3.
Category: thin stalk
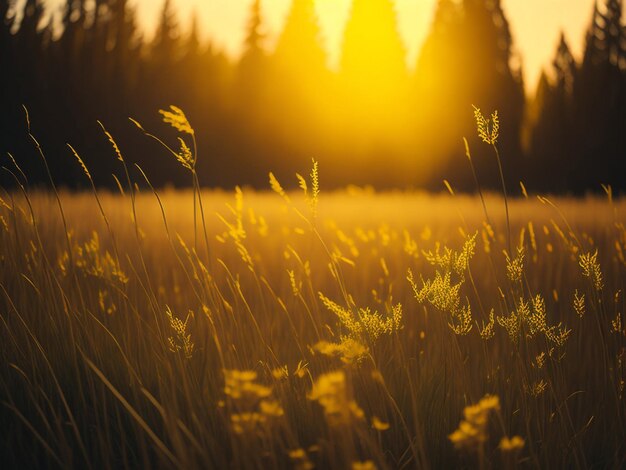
column 478, row 187
column 506, row 199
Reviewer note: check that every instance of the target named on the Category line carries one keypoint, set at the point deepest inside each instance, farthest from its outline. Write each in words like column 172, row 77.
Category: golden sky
column 535, row 24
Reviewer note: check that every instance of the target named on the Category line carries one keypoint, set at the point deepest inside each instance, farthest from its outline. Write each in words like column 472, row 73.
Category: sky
column 535, row 24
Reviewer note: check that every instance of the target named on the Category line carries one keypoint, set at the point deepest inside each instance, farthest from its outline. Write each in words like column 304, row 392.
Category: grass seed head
column 176, row 118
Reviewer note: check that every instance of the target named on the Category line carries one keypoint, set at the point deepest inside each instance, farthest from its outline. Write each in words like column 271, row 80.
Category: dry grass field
column 367, row 330
column 309, row 329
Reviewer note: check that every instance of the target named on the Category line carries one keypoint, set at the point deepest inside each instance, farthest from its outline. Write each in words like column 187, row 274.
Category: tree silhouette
column 29, row 62
column 372, row 64
column 437, row 96
column 250, row 99
column 162, row 71
column 252, row 67
column 552, row 144
column 30, row 40
column 165, row 45
column 254, row 55
column 6, row 49
column 468, row 60
column 300, row 84
column 600, row 100
column 274, row 109
column 126, row 50
column 299, row 46
column 372, row 90
column 492, row 79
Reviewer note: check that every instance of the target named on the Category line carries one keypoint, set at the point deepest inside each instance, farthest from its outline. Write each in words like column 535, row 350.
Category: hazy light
column 535, row 24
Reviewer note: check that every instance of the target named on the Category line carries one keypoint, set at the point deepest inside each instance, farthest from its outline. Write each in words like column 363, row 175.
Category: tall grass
column 309, row 329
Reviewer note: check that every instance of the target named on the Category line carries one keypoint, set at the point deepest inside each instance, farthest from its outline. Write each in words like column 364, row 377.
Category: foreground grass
column 333, row 330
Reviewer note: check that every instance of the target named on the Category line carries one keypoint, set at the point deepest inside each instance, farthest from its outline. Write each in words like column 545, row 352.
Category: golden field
column 309, row 329
column 347, row 329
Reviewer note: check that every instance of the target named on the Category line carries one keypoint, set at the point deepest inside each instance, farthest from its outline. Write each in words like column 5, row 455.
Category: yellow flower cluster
column 300, row 459
column 252, row 402
column 349, row 350
column 241, row 385
column 331, row 392
column 248, row 422
column 472, row 431
column 512, row 444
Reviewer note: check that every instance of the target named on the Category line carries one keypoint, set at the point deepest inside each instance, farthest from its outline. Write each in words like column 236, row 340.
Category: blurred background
column 379, row 92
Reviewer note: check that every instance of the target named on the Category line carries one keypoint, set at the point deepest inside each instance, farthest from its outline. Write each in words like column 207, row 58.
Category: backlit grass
column 301, row 329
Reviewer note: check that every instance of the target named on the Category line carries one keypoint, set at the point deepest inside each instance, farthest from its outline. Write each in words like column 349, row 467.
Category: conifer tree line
column 373, row 119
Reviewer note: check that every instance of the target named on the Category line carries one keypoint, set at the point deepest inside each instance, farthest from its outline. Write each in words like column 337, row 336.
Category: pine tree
column 372, row 105
column 437, row 94
column 165, row 45
column 488, row 77
column 192, row 46
column 252, row 69
column 69, row 57
column 253, row 45
column 193, row 68
column 250, row 105
column 299, row 82
column 607, row 34
column 600, row 99
column 161, row 74
column 8, row 77
column 565, row 68
column 125, row 54
column 436, row 61
column 29, row 42
column 6, row 44
column 299, row 47
column 551, row 143
column 373, row 56
column 467, row 59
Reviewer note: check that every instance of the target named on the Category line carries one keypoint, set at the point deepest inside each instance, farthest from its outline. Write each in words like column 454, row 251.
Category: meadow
column 309, row 328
